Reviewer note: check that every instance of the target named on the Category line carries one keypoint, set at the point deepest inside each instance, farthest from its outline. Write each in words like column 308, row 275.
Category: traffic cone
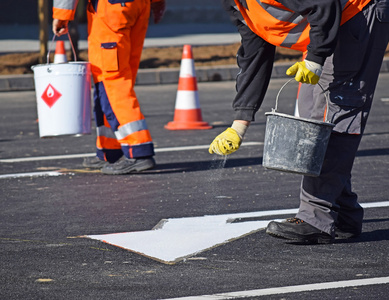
column 60, row 53
column 187, row 114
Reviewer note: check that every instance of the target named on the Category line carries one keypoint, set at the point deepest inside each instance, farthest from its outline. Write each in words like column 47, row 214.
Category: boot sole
column 97, row 166
column 309, row 239
column 143, row 166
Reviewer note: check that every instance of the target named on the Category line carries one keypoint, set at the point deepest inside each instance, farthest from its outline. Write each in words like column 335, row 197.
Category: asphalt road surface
column 50, row 204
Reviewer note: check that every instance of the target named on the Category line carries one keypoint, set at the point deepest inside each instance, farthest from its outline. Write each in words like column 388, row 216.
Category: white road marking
column 39, row 158
column 70, row 156
column 290, row 289
column 173, row 240
column 31, row 174
column 385, row 99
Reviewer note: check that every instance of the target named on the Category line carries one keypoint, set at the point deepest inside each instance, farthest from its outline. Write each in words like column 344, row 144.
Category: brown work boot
column 346, row 232
column 298, row 230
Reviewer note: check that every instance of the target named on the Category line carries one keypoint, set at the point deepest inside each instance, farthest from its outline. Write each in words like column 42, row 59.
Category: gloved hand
column 229, row 141
column 305, row 71
column 158, row 10
column 225, row 143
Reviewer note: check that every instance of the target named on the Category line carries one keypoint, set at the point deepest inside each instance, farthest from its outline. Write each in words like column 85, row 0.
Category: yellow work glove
column 305, row 72
column 225, row 143
column 228, row 141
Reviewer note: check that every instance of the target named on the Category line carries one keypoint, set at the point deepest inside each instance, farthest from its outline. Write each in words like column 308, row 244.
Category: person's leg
column 321, row 197
column 108, row 149
column 113, row 66
column 350, row 76
column 348, row 222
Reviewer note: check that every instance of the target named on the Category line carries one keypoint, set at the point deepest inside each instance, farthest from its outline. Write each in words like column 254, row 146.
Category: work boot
column 298, row 230
column 94, row 163
column 346, row 232
column 129, row 165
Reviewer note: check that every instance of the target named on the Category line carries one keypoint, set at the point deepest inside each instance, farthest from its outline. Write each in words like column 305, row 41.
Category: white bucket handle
column 324, row 92
column 51, row 46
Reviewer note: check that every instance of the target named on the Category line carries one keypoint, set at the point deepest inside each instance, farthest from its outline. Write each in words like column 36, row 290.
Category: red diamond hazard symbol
column 50, row 95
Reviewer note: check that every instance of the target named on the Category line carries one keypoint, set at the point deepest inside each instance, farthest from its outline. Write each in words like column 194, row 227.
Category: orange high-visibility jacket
column 283, row 27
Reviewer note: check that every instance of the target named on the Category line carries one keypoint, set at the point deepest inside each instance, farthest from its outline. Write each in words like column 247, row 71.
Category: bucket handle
column 324, row 92
column 51, row 47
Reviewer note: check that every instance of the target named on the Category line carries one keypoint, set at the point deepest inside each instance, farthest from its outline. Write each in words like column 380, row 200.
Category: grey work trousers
column 350, row 75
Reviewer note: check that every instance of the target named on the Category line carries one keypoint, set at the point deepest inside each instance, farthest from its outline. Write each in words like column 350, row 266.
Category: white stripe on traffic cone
column 187, row 114
column 60, row 53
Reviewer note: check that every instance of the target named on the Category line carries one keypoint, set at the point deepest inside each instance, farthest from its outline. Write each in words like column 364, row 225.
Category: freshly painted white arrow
column 173, row 240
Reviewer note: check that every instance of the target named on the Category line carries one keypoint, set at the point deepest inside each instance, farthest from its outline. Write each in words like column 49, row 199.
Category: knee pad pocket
column 109, row 56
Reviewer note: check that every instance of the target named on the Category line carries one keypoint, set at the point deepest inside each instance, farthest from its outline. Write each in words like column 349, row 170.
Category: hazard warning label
column 50, row 95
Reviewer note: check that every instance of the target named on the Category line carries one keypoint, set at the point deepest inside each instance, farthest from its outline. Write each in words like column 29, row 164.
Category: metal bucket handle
column 324, row 92
column 51, row 46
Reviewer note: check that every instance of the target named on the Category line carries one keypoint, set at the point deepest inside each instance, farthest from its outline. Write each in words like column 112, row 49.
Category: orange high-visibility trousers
column 116, row 33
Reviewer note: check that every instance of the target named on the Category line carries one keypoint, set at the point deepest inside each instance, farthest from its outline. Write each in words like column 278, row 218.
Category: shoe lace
column 294, row 220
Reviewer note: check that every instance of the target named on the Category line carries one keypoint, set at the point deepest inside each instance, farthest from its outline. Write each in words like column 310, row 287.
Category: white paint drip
column 213, row 182
column 173, row 240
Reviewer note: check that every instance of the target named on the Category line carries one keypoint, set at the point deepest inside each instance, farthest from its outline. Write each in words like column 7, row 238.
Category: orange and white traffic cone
column 60, row 53
column 187, row 114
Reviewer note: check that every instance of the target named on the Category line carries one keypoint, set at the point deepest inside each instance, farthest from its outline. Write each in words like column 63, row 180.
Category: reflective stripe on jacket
column 64, row 9
column 283, row 27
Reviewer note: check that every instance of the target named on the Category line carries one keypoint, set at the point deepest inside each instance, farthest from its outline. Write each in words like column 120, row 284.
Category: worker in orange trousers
column 116, row 33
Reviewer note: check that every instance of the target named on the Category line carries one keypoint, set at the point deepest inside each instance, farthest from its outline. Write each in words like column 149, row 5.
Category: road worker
column 116, row 33
column 344, row 42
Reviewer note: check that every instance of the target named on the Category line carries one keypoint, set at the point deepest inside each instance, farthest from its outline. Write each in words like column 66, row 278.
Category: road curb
column 11, row 83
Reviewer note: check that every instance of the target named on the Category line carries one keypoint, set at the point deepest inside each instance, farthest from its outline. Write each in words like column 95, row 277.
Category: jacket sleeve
column 324, row 18
column 64, row 9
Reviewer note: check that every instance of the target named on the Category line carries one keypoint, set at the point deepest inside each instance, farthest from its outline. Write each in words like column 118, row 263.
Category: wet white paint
column 177, row 239
column 173, row 240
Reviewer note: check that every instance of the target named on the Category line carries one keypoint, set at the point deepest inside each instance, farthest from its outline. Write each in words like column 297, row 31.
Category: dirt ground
column 163, row 57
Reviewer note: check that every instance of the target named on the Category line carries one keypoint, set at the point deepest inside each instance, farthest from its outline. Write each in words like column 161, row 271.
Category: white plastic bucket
column 63, row 94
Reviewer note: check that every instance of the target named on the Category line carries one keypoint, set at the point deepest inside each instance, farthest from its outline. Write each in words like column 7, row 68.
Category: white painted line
column 385, row 99
column 375, row 204
column 176, row 239
column 39, row 158
column 32, row 174
column 290, row 289
column 70, row 156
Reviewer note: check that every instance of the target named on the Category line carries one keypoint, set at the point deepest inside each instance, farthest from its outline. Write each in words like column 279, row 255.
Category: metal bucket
column 63, row 94
column 293, row 144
